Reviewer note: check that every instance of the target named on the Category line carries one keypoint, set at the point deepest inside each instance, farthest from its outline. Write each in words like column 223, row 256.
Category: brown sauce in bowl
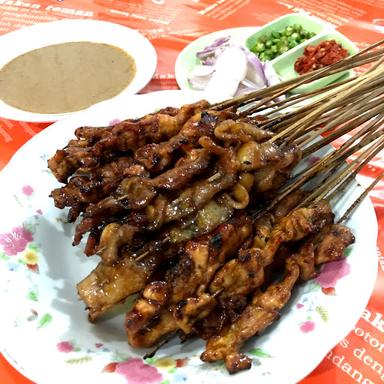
column 65, row 77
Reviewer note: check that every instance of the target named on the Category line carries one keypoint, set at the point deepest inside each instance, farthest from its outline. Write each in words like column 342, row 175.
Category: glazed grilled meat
column 328, row 245
column 243, row 274
column 108, row 285
column 177, row 206
column 94, row 146
column 192, row 274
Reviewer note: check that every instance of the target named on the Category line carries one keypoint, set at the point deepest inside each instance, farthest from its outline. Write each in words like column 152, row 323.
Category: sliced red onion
column 210, row 49
column 221, row 53
column 246, row 87
column 200, row 76
column 202, row 70
column 198, row 83
column 230, row 70
column 256, row 69
column 211, row 61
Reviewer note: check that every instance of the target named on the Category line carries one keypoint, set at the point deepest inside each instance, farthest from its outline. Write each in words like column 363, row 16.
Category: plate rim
column 143, row 76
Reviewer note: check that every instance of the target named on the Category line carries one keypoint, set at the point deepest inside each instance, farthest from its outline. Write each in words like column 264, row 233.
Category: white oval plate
column 44, row 329
column 186, row 60
column 26, row 39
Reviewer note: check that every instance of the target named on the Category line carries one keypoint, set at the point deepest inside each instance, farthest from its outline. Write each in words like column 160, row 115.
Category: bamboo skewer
column 327, row 162
column 366, row 140
column 299, row 126
column 345, row 175
column 360, row 58
column 350, row 177
column 353, row 101
column 289, row 101
column 315, row 75
column 346, row 216
column 350, row 125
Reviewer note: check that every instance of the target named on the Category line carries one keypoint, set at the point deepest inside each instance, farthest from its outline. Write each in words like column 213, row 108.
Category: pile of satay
column 200, row 210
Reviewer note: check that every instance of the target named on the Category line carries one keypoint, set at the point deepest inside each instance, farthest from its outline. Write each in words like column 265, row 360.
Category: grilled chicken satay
column 231, row 131
column 271, row 177
column 245, row 273
column 223, row 177
column 99, row 182
column 157, row 157
column 88, row 188
column 328, row 245
column 164, row 209
column 133, row 189
column 194, row 309
column 241, row 276
column 115, row 235
column 92, row 134
column 238, row 198
column 108, row 285
column 136, row 192
column 94, row 146
column 202, row 257
column 116, row 277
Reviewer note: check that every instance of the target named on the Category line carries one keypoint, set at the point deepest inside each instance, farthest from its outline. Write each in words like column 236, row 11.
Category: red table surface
column 171, row 25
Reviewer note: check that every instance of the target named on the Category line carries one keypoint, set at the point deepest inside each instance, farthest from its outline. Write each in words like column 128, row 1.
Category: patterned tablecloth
column 171, row 25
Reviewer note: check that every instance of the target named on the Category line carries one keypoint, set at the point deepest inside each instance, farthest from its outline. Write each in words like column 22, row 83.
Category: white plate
column 26, row 39
column 186, row 60
column 44, row 330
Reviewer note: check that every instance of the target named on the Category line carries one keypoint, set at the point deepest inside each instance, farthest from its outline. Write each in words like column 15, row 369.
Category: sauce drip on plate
column 65, row 77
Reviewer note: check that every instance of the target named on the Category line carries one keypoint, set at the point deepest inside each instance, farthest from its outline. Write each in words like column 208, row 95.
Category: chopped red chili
column 315, row 57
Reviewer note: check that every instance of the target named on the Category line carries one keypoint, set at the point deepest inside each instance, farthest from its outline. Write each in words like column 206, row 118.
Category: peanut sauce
column 65, row 77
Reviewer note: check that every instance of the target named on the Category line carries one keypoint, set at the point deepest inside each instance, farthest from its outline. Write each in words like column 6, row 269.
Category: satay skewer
column 91, row 291
column 262, row 259
column 350, row 171
column 303, row 263
column 264, row 308
column 348, row 213
column 360, row 90
column 360, row 58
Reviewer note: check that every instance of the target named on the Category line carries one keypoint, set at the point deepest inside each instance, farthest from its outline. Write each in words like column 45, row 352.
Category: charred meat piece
column 135, row 193
column 239, row 276
column 108, row 285
column 83, row 189
column 232, row 131
column 328, row 245
column 245, row 273
column 192, row 274
column 331, row 242
column 262, row 311
column 272, row 177
column 164, row 210
column 158, row 157
column 94, row 146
